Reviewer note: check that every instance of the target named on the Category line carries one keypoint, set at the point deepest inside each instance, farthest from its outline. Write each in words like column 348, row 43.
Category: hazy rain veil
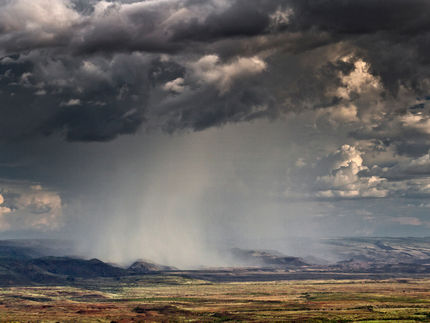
column 173, row 130
column 155, row 213
column 185, row 200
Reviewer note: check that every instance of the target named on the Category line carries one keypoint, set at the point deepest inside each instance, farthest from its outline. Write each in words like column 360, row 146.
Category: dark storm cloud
column 238, row 105
column 393, row 36
column 361, row 17
column 89, row 69
column 239, row 20
column 345, row 84
column 49, row 97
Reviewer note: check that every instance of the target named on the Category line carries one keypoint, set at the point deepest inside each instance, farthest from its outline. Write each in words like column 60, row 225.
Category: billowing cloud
column 328, row 101
column 209, row 70
column 344, row 180
column 176, row 85
column 3, row 209
column 29, row 207
column 100, row 62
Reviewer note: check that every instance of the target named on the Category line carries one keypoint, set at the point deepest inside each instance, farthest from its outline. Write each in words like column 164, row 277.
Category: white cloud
column 418, row 122
column 209, row 69
column 71, row 102
column 280, row 17
column 4, row 225
column 360, row 80
column 3, row 209
column 344, row 180
column 45, row 209
column 36, row 21
column 339, row 114
column 44, row 16
column 176, row 85
column 34, row 207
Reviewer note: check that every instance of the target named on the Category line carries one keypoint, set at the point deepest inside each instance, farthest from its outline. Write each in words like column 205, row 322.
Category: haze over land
column 172, row 130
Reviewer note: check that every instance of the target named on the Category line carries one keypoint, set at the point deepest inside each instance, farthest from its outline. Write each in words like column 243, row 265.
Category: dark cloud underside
column 294, row 110
column 88, row 69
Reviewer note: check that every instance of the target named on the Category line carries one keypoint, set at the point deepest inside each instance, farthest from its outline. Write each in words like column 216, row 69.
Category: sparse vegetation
column 378, row 282
column 176, row 299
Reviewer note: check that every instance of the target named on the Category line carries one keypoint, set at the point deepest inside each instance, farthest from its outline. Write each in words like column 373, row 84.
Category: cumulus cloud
column 3, row 209
column 339, row 114
column 42, row 23
column 105, row 59
column 29, row 207
column 92, row 71
column 176, row 85
column 358, row 81
column 208, row 69
column 344, row 179
column 344, row 86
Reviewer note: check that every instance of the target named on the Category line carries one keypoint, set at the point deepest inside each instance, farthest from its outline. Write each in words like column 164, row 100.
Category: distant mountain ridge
column 268, row 258
column 30, row 262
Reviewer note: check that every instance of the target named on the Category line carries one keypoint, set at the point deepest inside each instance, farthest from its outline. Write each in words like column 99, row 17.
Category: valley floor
column 159, row 298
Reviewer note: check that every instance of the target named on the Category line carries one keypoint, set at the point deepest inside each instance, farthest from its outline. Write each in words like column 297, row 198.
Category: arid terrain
column 163, row 298
column 372, row 280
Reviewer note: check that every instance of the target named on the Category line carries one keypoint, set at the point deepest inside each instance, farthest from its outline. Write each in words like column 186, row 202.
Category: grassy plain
column 174, row 299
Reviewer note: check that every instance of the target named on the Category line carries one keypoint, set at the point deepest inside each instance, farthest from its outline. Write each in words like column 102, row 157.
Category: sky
column 171, row 130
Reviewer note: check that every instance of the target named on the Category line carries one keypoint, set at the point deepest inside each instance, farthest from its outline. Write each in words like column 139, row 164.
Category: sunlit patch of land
column 160, row 298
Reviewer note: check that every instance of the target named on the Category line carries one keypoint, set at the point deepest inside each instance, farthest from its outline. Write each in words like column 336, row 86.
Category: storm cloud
column 95, row 70
column 314, row 106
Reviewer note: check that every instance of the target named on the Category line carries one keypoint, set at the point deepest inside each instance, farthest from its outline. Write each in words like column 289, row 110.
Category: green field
column 174, row 299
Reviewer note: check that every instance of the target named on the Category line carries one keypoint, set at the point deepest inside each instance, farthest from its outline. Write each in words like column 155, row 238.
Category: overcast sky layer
column 170, row 129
